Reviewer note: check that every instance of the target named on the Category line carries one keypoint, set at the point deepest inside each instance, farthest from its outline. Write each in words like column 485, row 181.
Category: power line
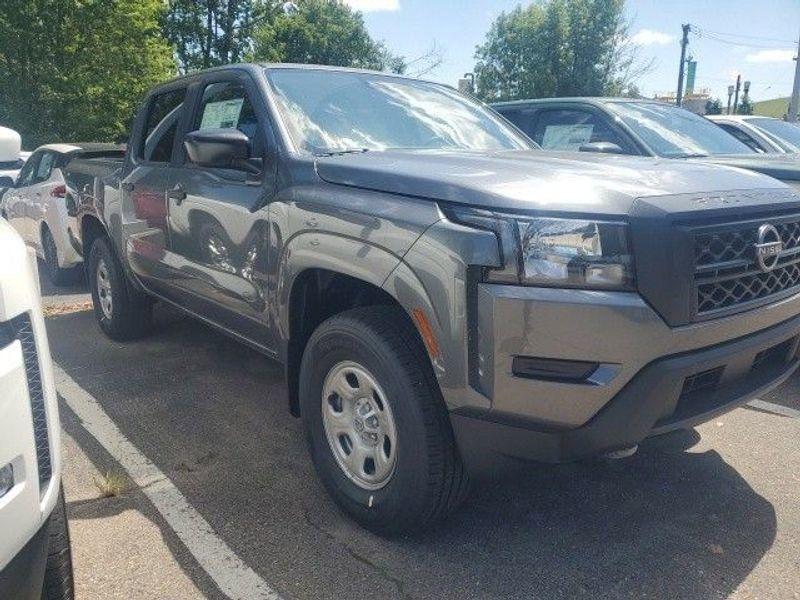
column 748, row 37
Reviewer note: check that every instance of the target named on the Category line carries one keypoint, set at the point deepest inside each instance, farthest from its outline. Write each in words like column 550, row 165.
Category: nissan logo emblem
column 768, row 247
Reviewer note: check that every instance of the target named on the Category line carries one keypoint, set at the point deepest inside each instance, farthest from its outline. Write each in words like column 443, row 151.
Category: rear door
column 218, row 223
column 145, row 186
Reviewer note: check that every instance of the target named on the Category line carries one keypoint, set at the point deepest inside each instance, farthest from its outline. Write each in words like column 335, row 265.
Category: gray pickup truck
column 443, row 295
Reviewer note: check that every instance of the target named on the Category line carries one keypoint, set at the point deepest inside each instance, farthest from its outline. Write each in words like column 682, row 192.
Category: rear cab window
column 163, row 117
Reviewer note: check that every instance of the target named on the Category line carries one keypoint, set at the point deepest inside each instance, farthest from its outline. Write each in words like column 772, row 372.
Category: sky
column 750, row 37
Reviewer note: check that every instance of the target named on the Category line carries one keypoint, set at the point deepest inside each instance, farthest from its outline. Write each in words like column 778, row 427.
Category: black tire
column 131, row 314
column 58, row 581
column 429, row 480
column 56, row 274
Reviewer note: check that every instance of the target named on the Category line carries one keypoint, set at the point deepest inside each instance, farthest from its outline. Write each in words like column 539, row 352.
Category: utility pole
column 684, row 43
column 730, row 95
column 793, row 105
column 736, row 94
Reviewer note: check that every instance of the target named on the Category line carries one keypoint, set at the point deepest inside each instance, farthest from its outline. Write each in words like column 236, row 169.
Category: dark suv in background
column 639, row 127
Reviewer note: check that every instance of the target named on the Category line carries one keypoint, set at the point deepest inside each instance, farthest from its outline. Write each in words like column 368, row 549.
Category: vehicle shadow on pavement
column 212, row 415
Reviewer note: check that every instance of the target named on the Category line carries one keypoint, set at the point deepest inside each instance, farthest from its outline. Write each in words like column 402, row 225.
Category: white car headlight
column 556, row 252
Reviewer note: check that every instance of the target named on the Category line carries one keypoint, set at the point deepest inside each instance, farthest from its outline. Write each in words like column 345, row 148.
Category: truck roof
column 252, row 67
column 594, row 100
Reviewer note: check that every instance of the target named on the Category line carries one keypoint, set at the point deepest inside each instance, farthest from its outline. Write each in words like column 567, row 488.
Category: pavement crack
column 399, row 584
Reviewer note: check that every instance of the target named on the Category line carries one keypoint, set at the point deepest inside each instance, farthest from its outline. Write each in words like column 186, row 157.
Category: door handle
column 178, row 194
column 127, row 186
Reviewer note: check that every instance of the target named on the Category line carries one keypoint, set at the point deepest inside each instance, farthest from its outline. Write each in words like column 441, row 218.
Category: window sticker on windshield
column 222, row 115
column 566, row 137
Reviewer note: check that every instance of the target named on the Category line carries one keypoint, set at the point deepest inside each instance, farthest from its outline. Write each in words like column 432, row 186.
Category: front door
column 17, row 201
column 218, row 223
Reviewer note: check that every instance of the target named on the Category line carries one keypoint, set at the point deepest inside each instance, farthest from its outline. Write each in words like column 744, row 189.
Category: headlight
column 556, row 252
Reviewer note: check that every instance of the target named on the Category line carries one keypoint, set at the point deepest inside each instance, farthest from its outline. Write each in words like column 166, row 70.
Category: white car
column 35, row 557
column 41, row 208
column 762, row 134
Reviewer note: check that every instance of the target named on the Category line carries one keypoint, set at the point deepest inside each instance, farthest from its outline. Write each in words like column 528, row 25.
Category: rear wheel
column 376, row 423
column 122, row 312
column 58, row 582
column 56, row 274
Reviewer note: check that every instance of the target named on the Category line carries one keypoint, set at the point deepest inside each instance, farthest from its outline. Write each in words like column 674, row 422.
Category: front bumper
column 653, row 378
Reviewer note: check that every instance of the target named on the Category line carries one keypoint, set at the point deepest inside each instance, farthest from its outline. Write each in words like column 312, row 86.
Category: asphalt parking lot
column 707, row 514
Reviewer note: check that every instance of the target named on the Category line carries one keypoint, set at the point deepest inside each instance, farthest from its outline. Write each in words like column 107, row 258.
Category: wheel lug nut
column 373, row 422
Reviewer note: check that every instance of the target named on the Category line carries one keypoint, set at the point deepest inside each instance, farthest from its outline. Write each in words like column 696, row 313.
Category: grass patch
column 110, row 485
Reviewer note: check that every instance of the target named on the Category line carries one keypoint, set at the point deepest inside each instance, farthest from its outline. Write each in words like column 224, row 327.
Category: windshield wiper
column 345, row 151
column 692, row 155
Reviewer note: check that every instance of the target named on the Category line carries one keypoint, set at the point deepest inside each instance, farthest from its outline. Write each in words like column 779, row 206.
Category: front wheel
column 122, row 312
column 56, row 274
column 58, row 581
column 376, row 423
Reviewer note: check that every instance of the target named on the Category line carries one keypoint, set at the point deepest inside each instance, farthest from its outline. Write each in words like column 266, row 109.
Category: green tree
column 206, row 33
column 324, row 32
column 745, row 106
column 714, row 106
column 557, row 48
column 74, row 70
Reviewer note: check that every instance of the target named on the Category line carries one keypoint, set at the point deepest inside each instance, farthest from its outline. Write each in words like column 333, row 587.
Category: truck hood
column 534, row 179
column 785, row 167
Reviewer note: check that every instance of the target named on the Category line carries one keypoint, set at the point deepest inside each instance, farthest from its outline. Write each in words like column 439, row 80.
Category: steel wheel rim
column 104, row 289
column 359, row 425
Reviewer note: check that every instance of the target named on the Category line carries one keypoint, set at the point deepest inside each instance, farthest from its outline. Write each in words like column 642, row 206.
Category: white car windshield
column 786, row 135
column 675, row 132
column 340, row 111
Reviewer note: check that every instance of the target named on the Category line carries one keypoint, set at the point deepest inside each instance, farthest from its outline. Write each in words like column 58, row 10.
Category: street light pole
column 730, row 95
column 793, row 105
column 736, row 94
column 684, row 43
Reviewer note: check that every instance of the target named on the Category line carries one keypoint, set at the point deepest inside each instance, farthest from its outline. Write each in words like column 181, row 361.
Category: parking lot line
column 233, row 577
column 775, row 408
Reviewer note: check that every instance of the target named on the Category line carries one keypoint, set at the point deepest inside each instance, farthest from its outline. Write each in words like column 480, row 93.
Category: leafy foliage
column 557, row 48
column 745, row 107
column 75, row 69
column 206, row 33
column 714, row 106
column 326, row 32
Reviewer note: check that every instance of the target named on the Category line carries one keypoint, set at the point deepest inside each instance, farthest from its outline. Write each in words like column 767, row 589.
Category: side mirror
column 219, row 149
column 6, row 181
column 602, row 148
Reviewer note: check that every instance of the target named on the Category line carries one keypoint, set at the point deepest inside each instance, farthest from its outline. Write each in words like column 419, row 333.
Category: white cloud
column 770, row 56
column 373, row 5
column 648, row 37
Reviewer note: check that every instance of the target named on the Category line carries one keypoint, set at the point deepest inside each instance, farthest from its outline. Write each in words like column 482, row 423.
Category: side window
column 226, row 105
column 742, row 137
column 521, row 117
column 163, row 117
column 45, row 167
column 28, row 170
column 569, row 129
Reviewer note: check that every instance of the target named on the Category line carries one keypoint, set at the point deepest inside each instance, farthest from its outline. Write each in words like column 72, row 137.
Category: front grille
column 20, row 328
column 727, row 275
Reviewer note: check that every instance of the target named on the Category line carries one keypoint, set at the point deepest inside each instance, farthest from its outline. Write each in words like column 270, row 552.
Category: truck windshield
column 786, row 135
column 338, row 111
column 675, row 132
